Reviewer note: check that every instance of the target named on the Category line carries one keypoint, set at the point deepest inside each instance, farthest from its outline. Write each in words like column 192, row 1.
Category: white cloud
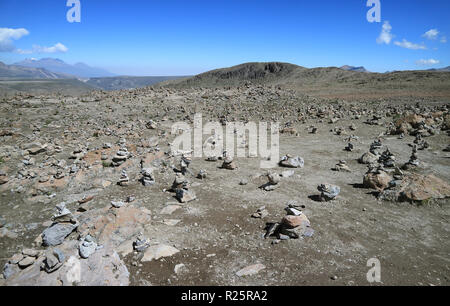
column 409, row 45
column 59, row 47
column 7, row 36
column 431, row 34
column 443, row 39
column 385, row 35
column 20, row 51
column 427, row 62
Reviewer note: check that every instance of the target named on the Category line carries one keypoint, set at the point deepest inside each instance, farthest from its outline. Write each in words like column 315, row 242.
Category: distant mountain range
column 440, row 69
column 14, row 71
column 353, row 68
column 128, row 82
column 58, row 66
column 50, row 68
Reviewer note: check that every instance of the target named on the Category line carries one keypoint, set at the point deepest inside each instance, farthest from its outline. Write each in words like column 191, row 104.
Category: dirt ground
column 216, row 234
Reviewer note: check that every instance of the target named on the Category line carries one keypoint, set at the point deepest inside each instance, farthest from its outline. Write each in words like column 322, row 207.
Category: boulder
column 378, row 180
column 368, row 158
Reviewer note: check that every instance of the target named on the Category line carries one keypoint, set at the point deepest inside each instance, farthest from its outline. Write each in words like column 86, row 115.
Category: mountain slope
column 272, row 73
column 59, row 66
column 44, row 86
column 13, row 71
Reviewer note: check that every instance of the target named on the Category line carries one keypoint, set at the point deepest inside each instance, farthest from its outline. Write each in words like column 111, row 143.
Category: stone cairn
column 64, row 223
column 229, row 164
column 274, row 181
column 87, row 246
column 293, row 226
column 413, row 160
column 124, row 179
column 181, row 187
column 387, row 159
column 148, row 178
column 141, row 243
column 342, row 166
column 121, row 156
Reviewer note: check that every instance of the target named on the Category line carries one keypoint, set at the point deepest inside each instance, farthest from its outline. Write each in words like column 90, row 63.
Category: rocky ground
column 91, row 192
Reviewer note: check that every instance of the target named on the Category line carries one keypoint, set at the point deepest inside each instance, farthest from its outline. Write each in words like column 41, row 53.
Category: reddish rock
column 416, row 188
column 295, row 221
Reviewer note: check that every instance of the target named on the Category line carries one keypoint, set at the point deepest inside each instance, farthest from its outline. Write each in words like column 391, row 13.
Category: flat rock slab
column 156, row 252
column 170, row 209
column 56, row 233
column 250, row 270
column 171, row 222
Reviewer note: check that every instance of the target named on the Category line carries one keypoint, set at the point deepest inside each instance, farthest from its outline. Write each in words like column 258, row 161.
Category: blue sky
column 171, row 37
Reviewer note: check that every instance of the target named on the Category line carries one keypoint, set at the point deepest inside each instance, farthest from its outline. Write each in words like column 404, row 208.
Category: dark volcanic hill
column 272, row 73
column 325, row 81
column 236, row 75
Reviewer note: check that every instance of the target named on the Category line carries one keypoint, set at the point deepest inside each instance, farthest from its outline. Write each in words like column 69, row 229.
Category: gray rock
column 261, row 213
column 30, row 252
column 202, row 174
column 292, row 162
column 117, row 204
column 26, row 262
column 293, row 211
column 9, row 270
column 329, row 192
column 243, row 182
column 53, row 260
column 87, row 247
column 274, row 178
column 184, row 195
column 56, row 233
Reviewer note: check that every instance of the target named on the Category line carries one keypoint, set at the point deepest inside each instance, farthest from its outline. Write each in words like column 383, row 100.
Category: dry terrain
column 107, row 157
